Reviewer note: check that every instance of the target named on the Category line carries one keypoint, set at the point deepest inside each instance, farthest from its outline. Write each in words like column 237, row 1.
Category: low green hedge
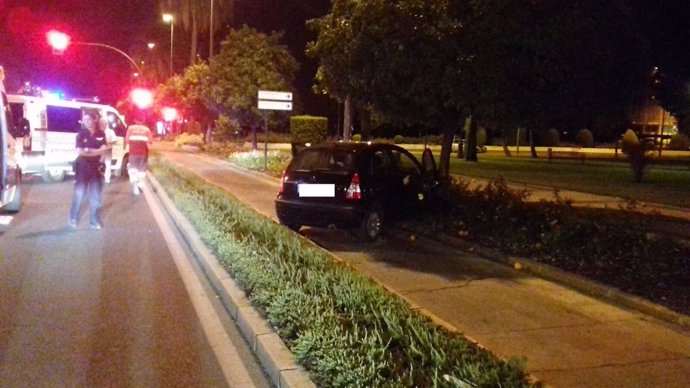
column 344, row 328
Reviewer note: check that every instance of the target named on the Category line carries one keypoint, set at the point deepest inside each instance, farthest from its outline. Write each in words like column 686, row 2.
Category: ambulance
column 10, row 174
column 49, row 129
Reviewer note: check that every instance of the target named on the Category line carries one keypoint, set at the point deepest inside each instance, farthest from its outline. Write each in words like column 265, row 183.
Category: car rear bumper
column 319, row 214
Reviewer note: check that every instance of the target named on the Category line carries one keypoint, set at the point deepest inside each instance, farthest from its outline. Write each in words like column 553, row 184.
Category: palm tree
column 194, row 16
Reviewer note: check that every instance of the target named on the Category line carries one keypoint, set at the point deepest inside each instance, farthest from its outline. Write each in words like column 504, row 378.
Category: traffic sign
column 275, row 105
column 270, row 95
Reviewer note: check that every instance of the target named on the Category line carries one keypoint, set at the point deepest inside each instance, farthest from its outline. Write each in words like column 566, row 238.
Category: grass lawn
column 665, row 184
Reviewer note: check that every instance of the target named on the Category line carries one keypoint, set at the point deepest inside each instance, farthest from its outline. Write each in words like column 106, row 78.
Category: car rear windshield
column 324, row 160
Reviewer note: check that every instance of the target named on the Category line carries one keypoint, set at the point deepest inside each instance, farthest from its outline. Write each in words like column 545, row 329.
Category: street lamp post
column 168, row 18
column 210, row 38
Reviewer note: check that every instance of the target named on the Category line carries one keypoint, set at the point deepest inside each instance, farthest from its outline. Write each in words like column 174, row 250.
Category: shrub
column 191, row 139
column 584, row 138
column 481, row 137
column 636, row 151
column 398, row 139
column 679, row 142
column 357, row 137
column 308, row 129
column 345, row 329
column 552, row 138
column 227, row 130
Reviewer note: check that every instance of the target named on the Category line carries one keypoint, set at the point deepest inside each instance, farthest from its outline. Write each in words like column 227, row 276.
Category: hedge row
column 344, row 328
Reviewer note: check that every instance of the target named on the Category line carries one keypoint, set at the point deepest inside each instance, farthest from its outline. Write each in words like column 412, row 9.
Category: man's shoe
column 136, row 190
column 96, row 226
column 73, row 224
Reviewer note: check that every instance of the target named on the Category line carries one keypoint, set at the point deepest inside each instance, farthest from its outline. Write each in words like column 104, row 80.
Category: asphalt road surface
column 110, row 307
column 569, row 339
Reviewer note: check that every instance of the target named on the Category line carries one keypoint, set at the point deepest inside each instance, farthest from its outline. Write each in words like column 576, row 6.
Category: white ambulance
column 50, row 127
column 10, row 174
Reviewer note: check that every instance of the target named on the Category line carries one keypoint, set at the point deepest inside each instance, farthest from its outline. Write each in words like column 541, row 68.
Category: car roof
column 352, row 146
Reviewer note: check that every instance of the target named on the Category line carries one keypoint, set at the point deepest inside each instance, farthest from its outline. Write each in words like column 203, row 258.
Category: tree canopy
column 248, row 61
column 524, row 63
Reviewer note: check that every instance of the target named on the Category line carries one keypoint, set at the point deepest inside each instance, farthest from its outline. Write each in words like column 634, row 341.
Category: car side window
column 405, row 164
column 116, row 124
column 381, row 163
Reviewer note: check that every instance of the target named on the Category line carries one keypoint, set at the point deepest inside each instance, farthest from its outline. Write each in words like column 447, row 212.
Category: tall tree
column 248, row 61
column 194, row 16
column 395, row 56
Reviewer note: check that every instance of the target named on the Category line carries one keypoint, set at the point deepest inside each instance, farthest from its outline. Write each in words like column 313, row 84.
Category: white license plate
column 316, row 190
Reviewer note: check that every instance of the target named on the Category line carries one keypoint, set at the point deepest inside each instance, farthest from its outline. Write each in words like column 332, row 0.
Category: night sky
column 83, row 71
column 129, row 24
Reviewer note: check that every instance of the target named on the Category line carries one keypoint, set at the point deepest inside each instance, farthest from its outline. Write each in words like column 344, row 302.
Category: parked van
column 10, row 174
column 50, row 127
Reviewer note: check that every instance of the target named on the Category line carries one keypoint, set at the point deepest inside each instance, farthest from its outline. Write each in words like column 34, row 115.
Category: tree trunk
column 446, row 149
column 533, row 150
column 471, row 141
column 365, row 123
column 506, row 150
column 195, row 41
column 347, row 118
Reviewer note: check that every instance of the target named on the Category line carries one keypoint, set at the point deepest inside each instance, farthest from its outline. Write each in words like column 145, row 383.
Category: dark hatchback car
column 356, row 186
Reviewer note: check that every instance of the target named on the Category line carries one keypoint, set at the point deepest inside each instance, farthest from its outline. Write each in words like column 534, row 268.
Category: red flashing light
column 58, row 40
column 354, row 191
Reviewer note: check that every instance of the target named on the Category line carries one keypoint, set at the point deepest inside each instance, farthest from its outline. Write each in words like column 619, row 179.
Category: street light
column 168, row 18
column 60, row 41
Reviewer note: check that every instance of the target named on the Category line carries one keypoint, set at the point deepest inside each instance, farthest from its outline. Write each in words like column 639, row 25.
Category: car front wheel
column 371, row 227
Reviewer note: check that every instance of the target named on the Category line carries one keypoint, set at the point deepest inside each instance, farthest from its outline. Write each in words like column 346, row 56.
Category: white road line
column 226, row 354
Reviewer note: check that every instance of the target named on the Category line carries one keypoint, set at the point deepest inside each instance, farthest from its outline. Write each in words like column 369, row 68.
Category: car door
column 410, row 180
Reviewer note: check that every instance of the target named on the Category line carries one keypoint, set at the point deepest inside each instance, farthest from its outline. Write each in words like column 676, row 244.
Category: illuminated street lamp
column 142, row 98
column 59, row 41
column 168, row 18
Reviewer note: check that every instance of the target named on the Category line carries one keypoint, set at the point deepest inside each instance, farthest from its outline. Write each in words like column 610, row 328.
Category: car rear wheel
column 371, row 227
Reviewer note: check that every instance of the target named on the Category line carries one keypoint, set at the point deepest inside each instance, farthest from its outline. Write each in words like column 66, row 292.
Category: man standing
column 138, row 139
column 88, row 179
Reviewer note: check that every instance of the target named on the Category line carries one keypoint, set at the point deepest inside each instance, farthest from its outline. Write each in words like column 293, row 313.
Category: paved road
column 108, row 308
column 569, row 339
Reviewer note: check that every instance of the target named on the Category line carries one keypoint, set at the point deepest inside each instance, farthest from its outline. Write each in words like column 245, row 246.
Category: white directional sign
column 279, row 96
column 270, row 100
column 275, row 105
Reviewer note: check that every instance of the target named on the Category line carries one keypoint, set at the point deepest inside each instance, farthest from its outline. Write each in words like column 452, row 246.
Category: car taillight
column 282, row 183
column 354, row 191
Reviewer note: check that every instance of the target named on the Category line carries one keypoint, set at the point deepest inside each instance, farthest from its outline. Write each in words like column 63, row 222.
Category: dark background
column 85, row 71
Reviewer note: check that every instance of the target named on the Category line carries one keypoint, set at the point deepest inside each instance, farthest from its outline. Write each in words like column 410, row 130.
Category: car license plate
column 316, row 190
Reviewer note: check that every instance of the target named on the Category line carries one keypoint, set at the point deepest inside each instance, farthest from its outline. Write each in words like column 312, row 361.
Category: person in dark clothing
column 90, row 147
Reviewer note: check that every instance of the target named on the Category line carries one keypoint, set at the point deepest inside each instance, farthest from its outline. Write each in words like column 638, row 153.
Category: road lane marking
column 219, row 340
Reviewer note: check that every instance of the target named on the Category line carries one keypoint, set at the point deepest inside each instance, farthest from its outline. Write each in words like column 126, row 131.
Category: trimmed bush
column 398, row 139
column 227, row 130
column 308, row 129
column 481, row 137
column 636, row 151
column 552, row 138
column 357, row 137
column 189, row 139
column 584, row 138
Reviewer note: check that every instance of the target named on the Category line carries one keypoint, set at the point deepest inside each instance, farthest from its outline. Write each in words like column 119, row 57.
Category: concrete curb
column 573, row 281
column 276, row 359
